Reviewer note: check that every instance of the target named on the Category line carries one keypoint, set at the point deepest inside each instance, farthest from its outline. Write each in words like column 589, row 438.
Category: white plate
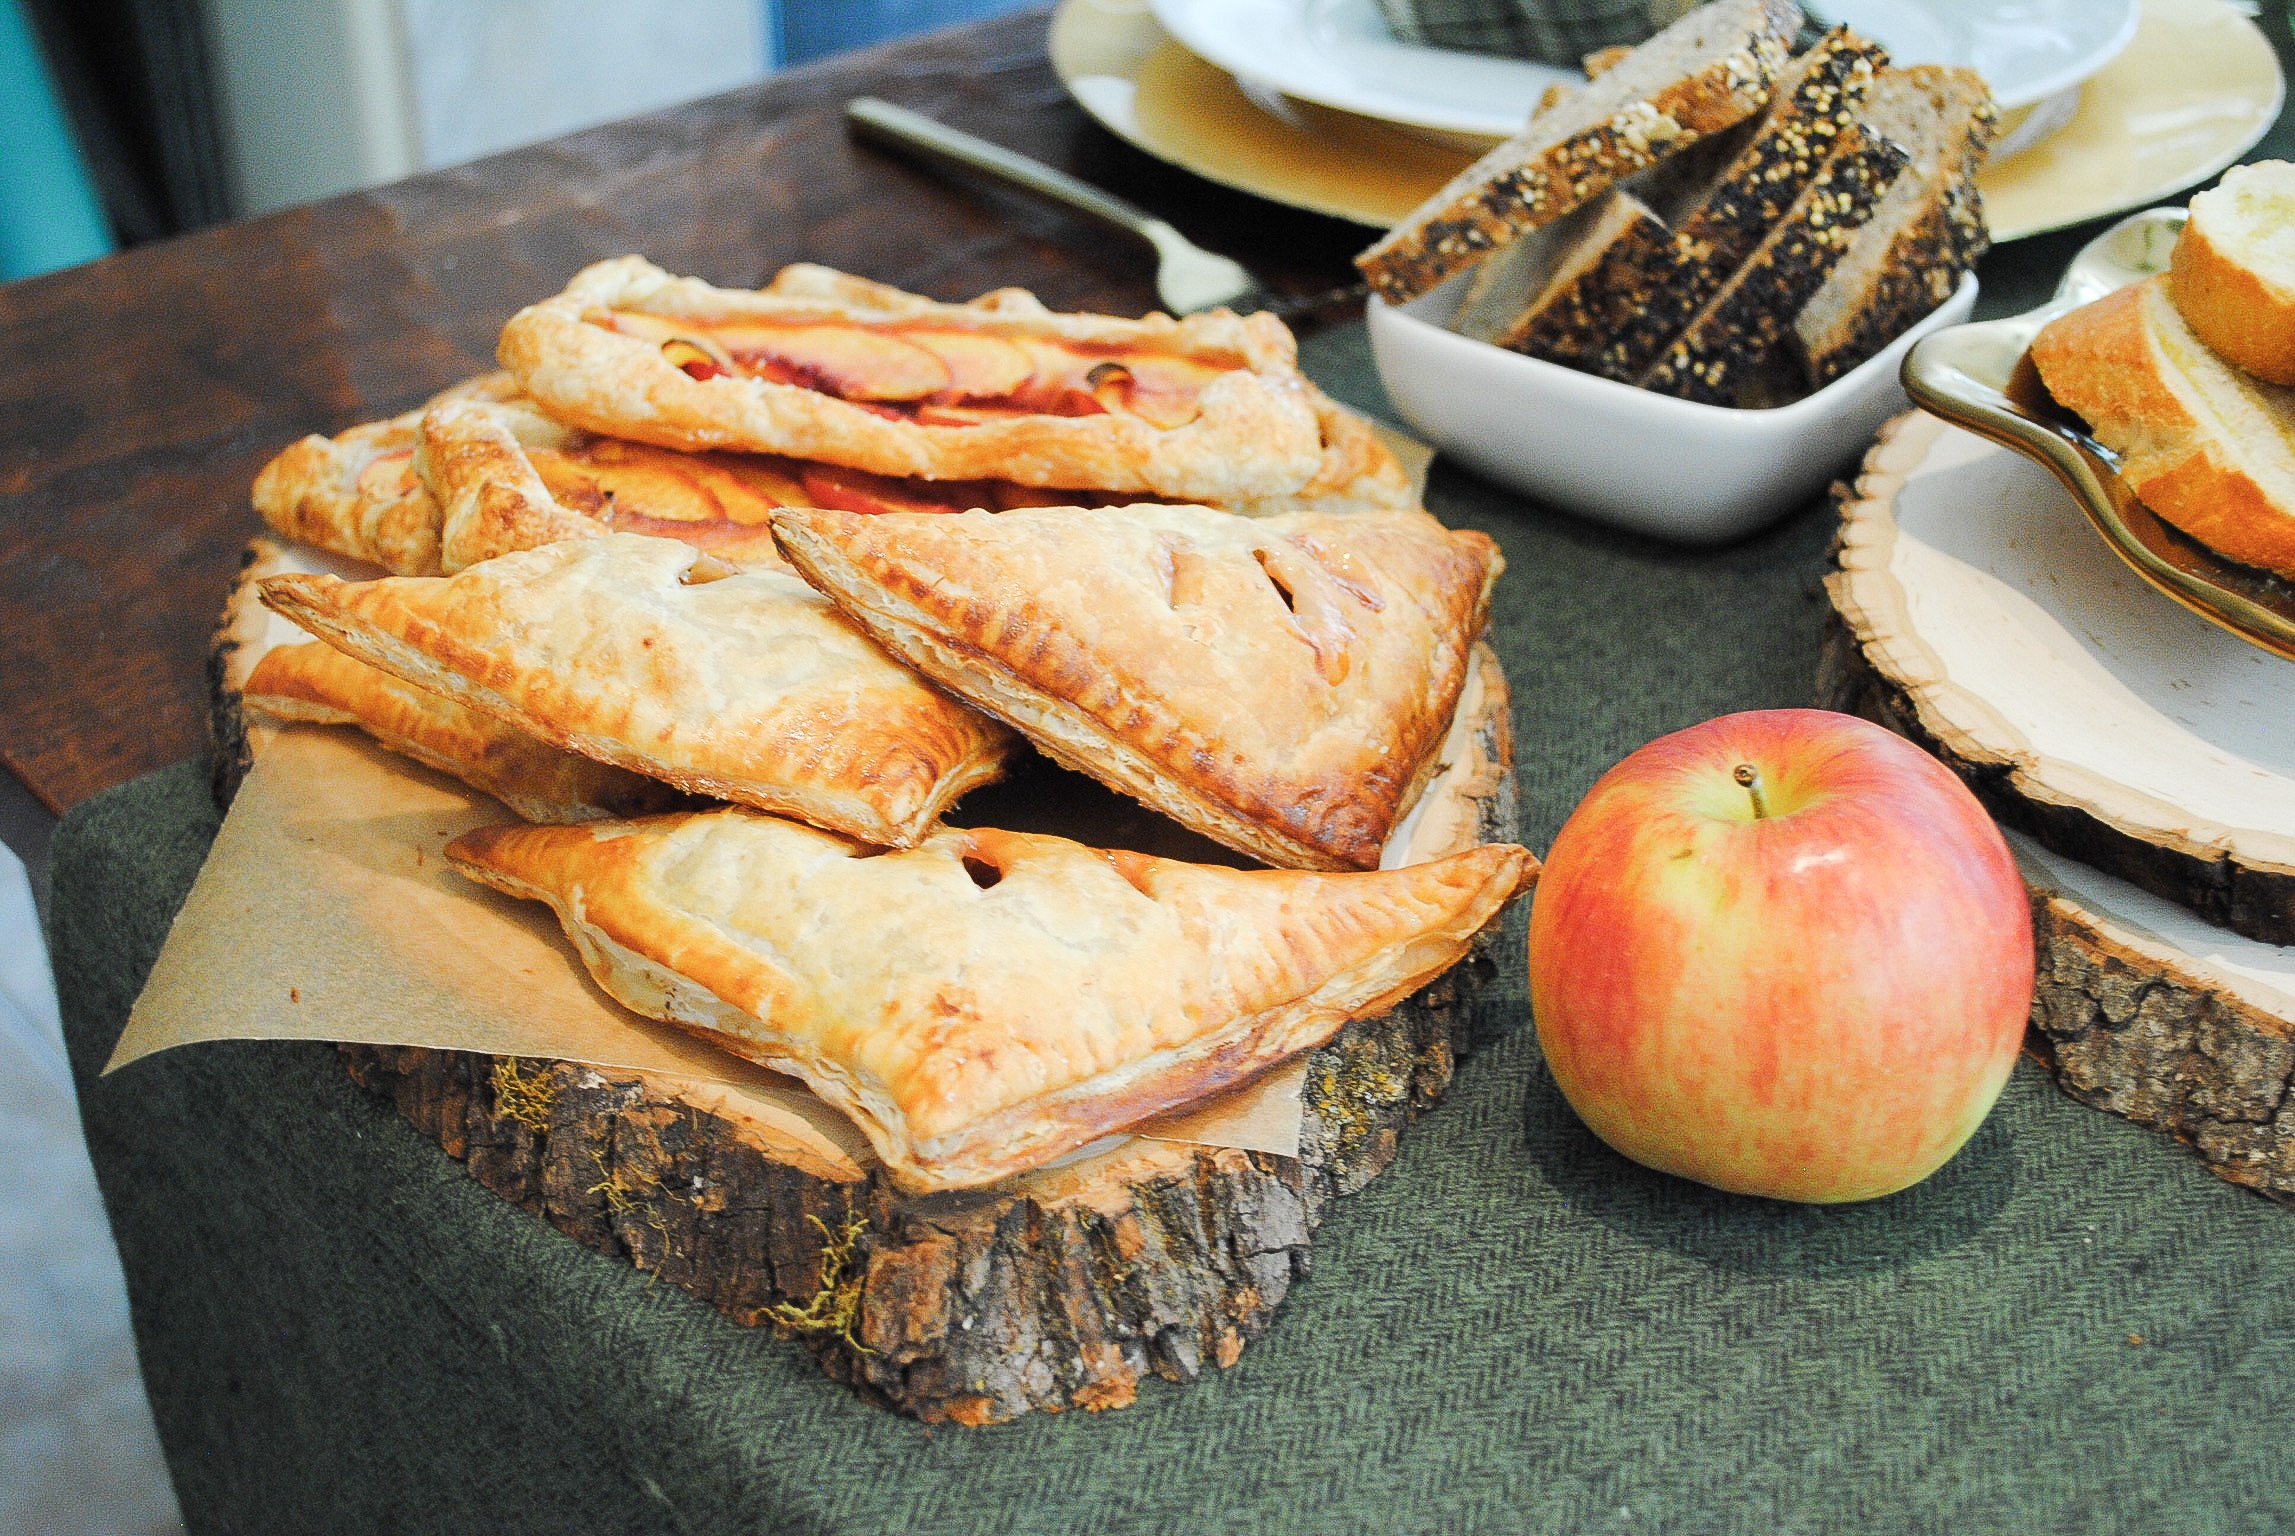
column 1674, row 469
column 1339, row 53
column 2197, row 87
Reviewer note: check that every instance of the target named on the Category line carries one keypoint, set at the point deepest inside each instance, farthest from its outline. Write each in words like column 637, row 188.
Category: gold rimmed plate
column 2198, row 85
column 1980, row 377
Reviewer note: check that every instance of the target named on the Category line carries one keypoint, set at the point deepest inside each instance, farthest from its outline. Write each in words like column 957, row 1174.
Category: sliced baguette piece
column 2233, row 273
column 1928, row 230
column 2206, row 446
column 1730, row 341
column 1626, row 302
column 1707, row 72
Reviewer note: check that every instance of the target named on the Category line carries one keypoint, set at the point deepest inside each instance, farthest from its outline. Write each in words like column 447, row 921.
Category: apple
column 1783, row 953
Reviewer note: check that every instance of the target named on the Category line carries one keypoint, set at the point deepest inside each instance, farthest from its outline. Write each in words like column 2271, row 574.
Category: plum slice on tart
column 939, row 376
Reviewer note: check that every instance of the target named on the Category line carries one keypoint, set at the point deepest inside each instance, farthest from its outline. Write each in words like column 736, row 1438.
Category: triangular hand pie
column 1279, row 684
column 989, row 1000
column 316, row 683
column 745, row 686
column 828, row 367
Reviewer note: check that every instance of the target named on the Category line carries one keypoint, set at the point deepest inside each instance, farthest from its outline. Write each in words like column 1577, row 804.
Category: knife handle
column 884, row 123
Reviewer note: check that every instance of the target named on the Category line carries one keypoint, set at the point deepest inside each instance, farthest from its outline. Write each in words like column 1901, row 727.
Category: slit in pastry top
column 1281, row 685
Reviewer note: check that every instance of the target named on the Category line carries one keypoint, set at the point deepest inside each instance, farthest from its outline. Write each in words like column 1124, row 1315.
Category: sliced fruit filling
column 932, row 375
column 627, row 484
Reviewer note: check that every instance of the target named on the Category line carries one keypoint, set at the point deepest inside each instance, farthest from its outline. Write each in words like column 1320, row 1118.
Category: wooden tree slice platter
column 1062, row 1288
column 2148, row 1011
column 2146, row 754
column 1978, row 613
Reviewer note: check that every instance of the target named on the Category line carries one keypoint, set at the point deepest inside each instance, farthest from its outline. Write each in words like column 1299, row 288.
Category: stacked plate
column 2107, row 104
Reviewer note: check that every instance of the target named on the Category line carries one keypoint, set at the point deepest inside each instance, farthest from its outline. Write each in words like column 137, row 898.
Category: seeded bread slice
column 1525, row 272
column 1732, row 338
column 1926, row 233
column 1705, row 73
column 1525, row 267
column 1619, row 311
column 1540, row 270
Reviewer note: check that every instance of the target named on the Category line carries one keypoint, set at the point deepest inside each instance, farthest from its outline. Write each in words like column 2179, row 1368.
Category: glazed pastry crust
column 316, row 683
column 483, row 463
column 357, row 494
column 644, row 653
column 989, row 1000
column 1256, row 434
column 1356, row 472
column 463, row 480
column 1280, row 685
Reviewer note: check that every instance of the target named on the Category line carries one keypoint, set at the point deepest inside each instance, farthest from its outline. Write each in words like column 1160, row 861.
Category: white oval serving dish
column 1674, row 469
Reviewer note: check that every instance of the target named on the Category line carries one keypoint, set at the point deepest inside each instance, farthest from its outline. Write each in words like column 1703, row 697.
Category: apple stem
column 1750, row 777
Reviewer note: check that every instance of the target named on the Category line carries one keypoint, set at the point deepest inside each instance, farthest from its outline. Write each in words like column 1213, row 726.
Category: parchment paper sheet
column 326, row 911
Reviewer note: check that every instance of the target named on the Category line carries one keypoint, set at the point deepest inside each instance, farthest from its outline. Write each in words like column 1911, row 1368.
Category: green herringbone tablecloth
column 2073, row 1327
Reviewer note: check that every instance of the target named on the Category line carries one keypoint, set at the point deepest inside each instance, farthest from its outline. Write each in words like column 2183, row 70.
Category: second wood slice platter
column 1141, row 1256
column 2144, row 755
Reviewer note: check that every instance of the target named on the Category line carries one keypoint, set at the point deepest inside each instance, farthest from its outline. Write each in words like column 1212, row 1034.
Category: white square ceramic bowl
column 1697, row 474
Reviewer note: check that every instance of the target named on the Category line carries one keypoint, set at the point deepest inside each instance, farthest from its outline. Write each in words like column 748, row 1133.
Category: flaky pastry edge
column 908, row 822
column 1257, row 435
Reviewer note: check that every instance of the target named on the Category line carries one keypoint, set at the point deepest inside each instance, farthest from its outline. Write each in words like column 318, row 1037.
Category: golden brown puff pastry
column 1354, row 472
column 1279, row 684
column 988, row 1000
column 356, row 494
column 481, row 471
column 646, row 654
column 507, row 478
column 827, row 367
column 317, row 683
column 1357, row 473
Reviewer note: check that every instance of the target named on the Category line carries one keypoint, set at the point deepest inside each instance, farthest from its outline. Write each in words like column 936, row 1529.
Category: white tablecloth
column 78, row 1453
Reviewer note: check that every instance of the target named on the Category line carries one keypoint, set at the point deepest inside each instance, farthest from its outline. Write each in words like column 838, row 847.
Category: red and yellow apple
column 1783, row 953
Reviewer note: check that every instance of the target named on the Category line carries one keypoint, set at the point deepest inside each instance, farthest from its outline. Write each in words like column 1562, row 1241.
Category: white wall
column 320, row 96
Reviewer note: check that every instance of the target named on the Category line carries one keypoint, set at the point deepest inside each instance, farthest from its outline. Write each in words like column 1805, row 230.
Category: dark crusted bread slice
column 1523, row 274
column 1928, row 230
column 1617, row 315
column 1707, row 72
column 1733, row 336
column 1524, row 277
